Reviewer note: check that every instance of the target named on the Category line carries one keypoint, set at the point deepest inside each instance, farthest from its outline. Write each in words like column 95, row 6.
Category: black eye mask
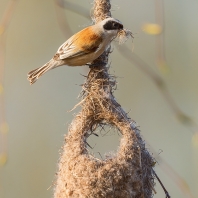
column 113, row 25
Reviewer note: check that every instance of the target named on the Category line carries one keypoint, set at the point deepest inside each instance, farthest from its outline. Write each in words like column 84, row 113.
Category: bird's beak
column 121, row 27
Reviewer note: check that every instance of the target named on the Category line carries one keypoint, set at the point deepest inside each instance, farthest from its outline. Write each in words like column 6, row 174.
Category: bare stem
column 165, row 191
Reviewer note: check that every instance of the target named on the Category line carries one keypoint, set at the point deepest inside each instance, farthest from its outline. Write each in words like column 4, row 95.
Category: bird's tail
column 36, row 73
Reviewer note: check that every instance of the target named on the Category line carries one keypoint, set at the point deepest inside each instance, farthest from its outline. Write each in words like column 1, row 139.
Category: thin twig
column 165, row 191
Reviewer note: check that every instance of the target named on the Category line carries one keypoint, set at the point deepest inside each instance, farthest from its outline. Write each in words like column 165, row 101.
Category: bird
column 82, row 48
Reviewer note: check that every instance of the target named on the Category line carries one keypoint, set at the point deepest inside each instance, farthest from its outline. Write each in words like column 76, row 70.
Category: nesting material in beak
column 123, row 35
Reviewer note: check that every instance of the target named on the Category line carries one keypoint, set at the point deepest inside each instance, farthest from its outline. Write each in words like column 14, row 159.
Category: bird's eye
column 115, row 25
column 111, row 25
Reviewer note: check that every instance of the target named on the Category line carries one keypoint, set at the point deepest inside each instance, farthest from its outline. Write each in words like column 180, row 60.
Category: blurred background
column 157, row 84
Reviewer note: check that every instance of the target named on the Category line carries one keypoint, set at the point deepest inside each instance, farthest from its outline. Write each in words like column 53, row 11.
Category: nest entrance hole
column 104, row 141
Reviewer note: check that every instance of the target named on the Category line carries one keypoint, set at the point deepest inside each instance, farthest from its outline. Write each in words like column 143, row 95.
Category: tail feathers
column 36, row 73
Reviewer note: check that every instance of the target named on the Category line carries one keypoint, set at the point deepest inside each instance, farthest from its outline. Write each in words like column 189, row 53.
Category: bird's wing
column 74, row 46
column 69, row 50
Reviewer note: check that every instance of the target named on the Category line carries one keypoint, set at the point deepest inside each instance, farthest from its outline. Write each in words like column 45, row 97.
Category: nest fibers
column 128, row 173
column 123, row 35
